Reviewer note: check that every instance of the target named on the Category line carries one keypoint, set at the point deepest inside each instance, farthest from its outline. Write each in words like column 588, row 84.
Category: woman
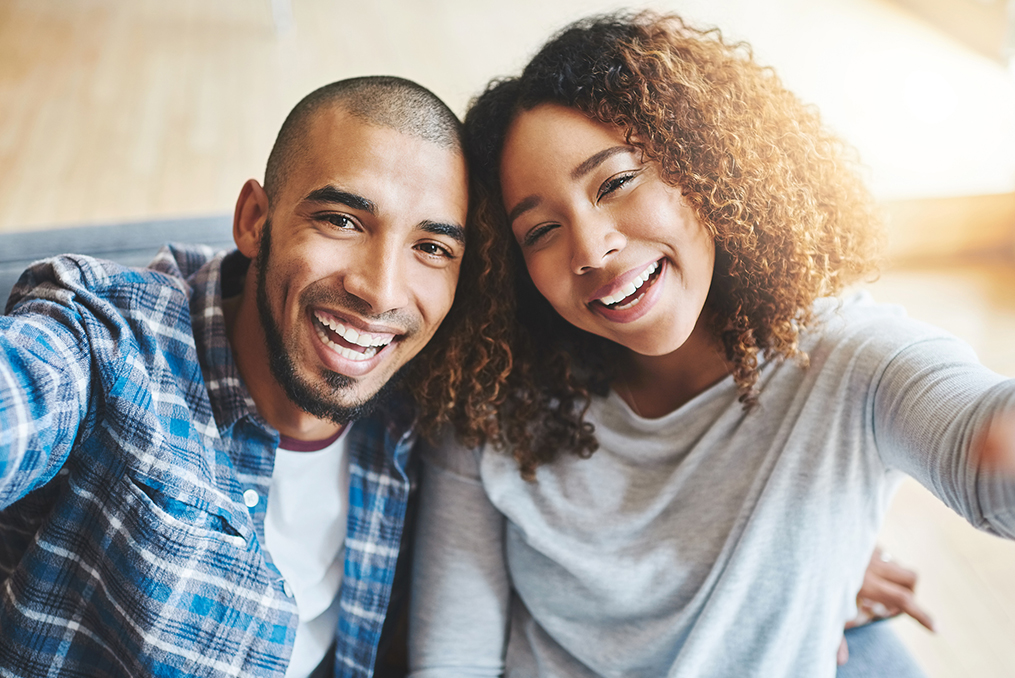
column 696, row 445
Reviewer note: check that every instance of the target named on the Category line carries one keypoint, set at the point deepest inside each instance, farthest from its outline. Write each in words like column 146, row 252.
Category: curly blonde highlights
column 780, row 194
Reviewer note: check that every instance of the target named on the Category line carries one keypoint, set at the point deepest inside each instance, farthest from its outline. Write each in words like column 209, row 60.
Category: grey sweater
column 711, row 541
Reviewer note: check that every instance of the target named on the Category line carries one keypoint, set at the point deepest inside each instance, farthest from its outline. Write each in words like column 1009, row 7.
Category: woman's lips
column 625, row 287
column 633, row 298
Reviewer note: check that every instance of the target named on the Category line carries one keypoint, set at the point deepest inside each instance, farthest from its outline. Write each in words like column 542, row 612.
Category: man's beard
column 312, row 399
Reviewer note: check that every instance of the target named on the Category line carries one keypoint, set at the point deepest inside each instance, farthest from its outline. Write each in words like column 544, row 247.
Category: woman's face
column 612, row 247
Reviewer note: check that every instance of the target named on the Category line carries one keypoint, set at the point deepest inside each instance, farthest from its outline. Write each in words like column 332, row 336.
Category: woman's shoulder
column 857, row 314
column 448, row 453
column 856, row 323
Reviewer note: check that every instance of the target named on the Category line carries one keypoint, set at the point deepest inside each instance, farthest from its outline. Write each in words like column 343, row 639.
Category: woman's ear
column 249, row 217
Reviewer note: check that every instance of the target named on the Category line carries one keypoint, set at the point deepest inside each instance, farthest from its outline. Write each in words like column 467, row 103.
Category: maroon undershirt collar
column 293, row 445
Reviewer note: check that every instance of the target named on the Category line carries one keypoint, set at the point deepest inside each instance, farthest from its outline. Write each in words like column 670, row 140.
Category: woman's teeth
column 631, row 287
column 371, row 344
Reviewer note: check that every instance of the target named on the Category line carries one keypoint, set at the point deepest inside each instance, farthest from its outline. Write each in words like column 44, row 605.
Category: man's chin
column 321, row 402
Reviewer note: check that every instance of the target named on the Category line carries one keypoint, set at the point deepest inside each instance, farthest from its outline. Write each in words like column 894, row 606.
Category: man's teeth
column 350, row 334
column 370, row 343
column 349, row 353
column 631, row 287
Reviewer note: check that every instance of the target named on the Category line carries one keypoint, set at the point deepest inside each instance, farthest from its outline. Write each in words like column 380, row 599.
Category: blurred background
column 126, row 111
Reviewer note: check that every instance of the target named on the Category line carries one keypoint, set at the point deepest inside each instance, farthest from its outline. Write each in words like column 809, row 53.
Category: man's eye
column 435, row 250
column 340, row 220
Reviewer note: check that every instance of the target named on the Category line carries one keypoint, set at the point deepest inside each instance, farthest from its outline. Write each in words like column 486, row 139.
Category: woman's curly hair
column 780, row 195
column 460, row 375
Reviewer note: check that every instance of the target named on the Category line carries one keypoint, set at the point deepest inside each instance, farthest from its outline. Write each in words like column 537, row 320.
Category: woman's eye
column 533, row 236
column 612, row 184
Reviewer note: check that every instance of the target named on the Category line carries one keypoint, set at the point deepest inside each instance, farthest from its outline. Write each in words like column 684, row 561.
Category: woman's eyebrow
column 522, row 207
column 597, row 159
column 578, row 172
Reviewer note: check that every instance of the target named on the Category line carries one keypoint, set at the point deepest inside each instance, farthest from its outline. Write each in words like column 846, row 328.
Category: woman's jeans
column 876, row 652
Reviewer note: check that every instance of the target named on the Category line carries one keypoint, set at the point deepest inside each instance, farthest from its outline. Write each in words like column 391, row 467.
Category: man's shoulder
column 180, row 260
column 393, row 424
column 68, row 276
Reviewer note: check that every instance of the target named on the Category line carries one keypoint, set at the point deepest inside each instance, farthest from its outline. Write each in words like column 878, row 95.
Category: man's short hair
column 387, row 101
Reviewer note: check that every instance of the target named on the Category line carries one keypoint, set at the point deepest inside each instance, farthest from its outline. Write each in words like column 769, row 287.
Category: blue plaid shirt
column 127, row 442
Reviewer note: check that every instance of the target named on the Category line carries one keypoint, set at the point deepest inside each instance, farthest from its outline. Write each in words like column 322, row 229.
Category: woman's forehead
column 558, row 135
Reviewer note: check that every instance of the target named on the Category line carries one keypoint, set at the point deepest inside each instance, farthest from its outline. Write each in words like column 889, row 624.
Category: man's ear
column 249, row 217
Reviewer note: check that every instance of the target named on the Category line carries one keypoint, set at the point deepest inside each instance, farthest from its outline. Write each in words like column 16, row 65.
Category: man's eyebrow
column 453, row 231
column 330, row 194
column 597, row 159
column 524, row 206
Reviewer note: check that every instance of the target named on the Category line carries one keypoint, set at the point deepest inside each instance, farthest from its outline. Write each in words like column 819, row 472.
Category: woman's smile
column 625, row 286
column 634, row 294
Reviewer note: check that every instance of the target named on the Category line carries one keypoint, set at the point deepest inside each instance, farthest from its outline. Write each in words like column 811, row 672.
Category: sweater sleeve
column 460, row 588
column 932, row 403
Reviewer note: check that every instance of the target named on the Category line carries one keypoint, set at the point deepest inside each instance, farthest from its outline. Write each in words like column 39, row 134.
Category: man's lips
column 352, row 343
column 624, row 287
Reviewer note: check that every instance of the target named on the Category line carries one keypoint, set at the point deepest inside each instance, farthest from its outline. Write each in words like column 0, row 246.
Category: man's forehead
column 385, row 167
column 341, row 140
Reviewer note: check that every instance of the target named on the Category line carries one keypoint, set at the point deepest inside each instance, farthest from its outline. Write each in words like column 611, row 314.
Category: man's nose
column 379, row 278
column 594, row 240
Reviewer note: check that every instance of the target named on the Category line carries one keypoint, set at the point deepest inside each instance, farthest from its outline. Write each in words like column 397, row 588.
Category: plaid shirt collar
column 221, row 277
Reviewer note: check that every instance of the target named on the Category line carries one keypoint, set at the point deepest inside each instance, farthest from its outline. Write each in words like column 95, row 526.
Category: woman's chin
column 652, row 346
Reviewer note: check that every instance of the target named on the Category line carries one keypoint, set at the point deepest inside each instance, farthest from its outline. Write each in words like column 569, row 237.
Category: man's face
column 358, row 262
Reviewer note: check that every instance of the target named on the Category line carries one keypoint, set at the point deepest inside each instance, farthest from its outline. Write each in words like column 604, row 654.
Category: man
column 181, row 492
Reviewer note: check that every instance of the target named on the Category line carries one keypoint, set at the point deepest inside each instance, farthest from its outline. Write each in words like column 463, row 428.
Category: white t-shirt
column 304, row 531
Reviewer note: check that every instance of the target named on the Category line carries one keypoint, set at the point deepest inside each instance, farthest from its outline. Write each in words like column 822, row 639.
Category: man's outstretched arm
column 44, row 392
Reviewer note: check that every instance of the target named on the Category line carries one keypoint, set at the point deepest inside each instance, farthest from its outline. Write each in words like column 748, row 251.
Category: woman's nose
column 595, row 241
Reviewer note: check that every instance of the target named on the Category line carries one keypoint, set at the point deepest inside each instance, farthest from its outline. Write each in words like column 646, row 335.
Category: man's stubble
column 318, row 401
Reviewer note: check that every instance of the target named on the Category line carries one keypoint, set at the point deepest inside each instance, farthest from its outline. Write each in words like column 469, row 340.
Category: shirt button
column 287, row 590
column 250, row 498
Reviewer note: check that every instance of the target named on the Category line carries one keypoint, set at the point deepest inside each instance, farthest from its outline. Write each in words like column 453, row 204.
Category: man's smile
column 347, row 340
column 359, row 346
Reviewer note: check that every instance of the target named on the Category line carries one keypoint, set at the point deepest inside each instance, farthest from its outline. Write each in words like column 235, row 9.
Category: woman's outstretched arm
column 945, row 420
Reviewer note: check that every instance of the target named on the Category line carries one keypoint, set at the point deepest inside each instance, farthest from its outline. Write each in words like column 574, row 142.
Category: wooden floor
column 122, row 110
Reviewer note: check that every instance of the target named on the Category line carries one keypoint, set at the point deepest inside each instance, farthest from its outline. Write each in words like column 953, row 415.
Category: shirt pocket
column 191, row 514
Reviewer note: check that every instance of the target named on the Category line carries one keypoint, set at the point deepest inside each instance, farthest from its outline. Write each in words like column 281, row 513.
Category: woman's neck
column 654, row 386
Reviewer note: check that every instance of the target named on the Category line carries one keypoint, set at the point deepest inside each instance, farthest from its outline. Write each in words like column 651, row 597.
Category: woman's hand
column 888, row 589
column 997, row 446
